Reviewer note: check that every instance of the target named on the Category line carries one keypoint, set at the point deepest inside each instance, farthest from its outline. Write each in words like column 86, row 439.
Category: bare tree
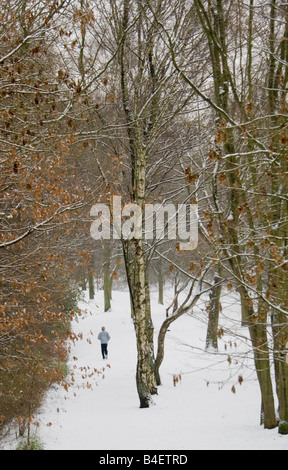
column 247, row 156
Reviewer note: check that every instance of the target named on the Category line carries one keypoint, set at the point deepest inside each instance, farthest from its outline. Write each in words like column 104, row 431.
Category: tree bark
column 107, row 276
column 214, row 311
column 91, row 283
column 160, row 284
column 137, row 270
column 258, row 333
column 145, row 376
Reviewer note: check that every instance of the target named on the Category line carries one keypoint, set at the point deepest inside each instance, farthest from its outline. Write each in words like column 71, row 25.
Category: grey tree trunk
column 107, row 276
column 136, row 263
column 160, row 284
column 145, row 376
column 214, row 311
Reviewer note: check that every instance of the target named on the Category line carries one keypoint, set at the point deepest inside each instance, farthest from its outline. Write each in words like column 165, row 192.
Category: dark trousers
column 104, row 350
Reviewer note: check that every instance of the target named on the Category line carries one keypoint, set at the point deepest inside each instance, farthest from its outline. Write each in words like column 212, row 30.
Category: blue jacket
column 104, row 337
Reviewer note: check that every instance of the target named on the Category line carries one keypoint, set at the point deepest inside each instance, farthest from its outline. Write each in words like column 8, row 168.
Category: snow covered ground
column 200, row 412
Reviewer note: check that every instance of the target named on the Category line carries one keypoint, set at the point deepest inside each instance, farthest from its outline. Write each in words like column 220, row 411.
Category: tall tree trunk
column 137, row 270
column 277, row 93
column 258, row 333
column 214, row 311
column 145, row 376
column 107, row 276
column 160, row 284
column 176, row 293
column 91, row 283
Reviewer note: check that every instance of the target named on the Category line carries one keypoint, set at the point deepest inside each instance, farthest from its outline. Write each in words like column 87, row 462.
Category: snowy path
column 187, row 417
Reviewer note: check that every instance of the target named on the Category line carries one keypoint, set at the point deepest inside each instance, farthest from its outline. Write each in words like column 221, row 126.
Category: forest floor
column 214, row 405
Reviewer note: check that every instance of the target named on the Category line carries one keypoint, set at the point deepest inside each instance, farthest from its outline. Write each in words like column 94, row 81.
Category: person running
column 104, row 337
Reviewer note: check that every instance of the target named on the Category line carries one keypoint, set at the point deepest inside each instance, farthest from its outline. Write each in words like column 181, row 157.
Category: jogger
column 104, row 337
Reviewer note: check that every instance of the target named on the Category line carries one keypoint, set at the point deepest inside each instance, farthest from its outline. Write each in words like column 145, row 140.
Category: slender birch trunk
column 145, row 376
column 136, row 262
